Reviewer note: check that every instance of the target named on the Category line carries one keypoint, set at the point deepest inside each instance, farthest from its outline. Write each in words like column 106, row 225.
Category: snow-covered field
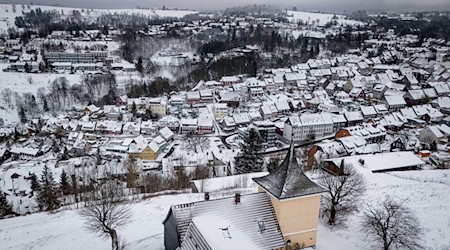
column 7, row 16
column 26, row 83
column 65, row 229
column 320, row 19
column 30, row 83
column 20, row 82
column 429, row 200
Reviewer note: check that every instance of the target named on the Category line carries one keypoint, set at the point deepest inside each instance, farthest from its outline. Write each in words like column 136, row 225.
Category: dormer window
column 262, row 226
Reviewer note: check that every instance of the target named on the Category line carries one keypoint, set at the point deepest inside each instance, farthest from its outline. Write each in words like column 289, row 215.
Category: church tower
column 296, row 200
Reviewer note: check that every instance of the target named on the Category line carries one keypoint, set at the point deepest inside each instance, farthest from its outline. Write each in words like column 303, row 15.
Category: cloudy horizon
column 321, row 5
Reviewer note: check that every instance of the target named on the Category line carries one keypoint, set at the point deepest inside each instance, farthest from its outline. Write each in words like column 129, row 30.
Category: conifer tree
column 35, row 185
column 134, row 109
column 45, row 106
column 22, row 115
column 5, row 207
column 250, row 159
column 47, row 197
column 64, row 183
column 139, row 65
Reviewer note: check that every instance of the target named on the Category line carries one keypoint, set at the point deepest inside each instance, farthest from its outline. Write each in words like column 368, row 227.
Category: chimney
column 237, row 198
column 361, row 161
column 206, row 196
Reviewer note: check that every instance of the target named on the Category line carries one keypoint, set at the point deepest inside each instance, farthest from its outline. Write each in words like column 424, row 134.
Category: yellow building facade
column 296, row 201
column 146, row 154
column 298, row 218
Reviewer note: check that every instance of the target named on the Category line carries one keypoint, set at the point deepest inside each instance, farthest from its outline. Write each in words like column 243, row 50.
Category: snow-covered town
column 243, row 128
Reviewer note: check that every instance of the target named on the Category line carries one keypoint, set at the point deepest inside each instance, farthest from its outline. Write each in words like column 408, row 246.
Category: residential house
column 88, row 110
column 232, row 99
column 415, row 97
column 368, row 112
column 25, row 152
column 391, row 161
column 139, row 148
column 434, row 134
column 139, row 103
column 132, row 128
column 267, row 130
column 166, row 134
column 379, row 90
column 241, row 119
column 206, row 96
column 169, row 121
column 188, row 126
column 395, row 103
column 220, row 110
column 148, row 128
column 353, row 118
column 205, row 125
column 109, row 127
column 369, row 133
column 112, row 112
column 229, row 80
column 157, row 106
column 357, row 93
column 308, row 127
column 193, row 97
column 87, row 126
column 381, row 109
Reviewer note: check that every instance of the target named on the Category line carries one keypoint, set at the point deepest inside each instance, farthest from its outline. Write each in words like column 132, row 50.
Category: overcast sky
column 323, row 5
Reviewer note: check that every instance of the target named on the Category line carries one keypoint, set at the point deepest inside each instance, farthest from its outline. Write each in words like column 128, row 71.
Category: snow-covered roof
column 354, row 116
column 193, row 95
column 282, row 106
column 24, row 150
column 430, row 92
column 351, row 143
column 416, row 94
column 229, row 79
column 219, row 184
column 368, row 110
column 395, row 100
column 166, row 133
column 383, row 161
column 205, row 122
column 202, row 222
column 442, row 102
column 241, row 118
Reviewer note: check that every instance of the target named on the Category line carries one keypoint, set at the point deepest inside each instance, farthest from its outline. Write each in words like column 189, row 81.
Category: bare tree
column 393, row 225
column 273, row 163
column 6, row 96
column 344, row 191
column 194, row 142
column 427, row 138
column 132, row 172
column 106, row 211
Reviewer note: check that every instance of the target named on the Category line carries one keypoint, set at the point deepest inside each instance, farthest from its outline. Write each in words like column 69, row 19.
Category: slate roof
column 242, row 217
column 289, row 180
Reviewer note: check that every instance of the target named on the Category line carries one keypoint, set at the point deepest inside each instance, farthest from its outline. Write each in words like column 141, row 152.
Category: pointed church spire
column 289, row 180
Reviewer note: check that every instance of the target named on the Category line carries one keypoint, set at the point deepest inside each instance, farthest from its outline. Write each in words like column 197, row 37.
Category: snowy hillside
column 145, row 230
column 65, row 229
column 319, row 19
column 30, row 83
column 7, row 15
